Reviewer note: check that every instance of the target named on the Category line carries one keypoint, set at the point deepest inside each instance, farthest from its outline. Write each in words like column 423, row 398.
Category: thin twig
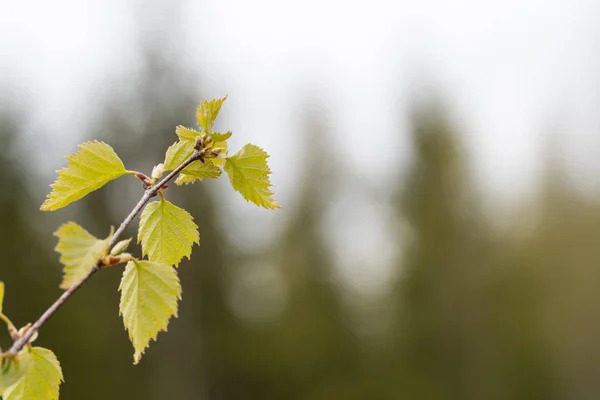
column 148, row 194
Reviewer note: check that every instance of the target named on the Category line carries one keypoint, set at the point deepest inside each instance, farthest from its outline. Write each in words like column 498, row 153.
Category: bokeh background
column 437, row 165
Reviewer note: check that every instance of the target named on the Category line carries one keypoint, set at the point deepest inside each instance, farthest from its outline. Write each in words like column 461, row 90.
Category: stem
column 66, row 295
column 11, row 327
column 6, row 320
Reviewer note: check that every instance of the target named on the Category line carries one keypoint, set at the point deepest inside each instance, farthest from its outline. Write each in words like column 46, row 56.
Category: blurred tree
column 443, row 268
column 313, row 352
column 305, row 350
column 558, row 274
column 24, row 271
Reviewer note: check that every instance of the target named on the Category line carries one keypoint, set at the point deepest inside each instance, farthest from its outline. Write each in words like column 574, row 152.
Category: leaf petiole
column 11, row 327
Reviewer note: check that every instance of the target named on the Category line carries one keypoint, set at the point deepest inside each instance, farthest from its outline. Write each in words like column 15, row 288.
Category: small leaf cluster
column 150, row 287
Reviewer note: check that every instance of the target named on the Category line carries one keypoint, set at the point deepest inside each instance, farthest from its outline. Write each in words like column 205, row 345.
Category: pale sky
column 508, row 70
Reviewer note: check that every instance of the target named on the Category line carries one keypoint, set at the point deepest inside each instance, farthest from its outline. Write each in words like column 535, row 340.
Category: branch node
column 146, row 181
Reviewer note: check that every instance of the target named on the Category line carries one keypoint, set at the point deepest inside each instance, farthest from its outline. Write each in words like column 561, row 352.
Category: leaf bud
column 120, row 247
column 198, row 143
column 158, row 171
column 109, row 261
column 24, row 330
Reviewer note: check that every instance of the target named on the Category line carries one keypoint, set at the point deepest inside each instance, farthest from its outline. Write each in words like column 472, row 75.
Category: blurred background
column 437, row 165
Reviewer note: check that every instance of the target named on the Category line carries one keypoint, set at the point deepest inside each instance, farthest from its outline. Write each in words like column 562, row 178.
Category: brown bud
column 14, row 334
column 198, row 143
column 109, row 261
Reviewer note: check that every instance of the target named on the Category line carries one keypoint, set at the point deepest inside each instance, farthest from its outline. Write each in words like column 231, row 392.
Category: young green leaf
column 185, row 147
column 198, row 171
column 222, row 145
column 149, row 294
column 177, row 154
column 167, row 232
column 249, row 174
column 187, row 134
column 1, row 295
column 13, row 368
column 220, row 137
column 41, row 381
column 92, row 167
column 207, row 113
column 79, row 251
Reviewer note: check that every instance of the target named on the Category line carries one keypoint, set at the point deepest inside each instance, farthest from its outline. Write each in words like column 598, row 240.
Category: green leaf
column 42, row 380
column 79, row 251
column 220, row 137
column 185, row 147
column 13, row 368
column 167, row 232
column 207, row 113
column 177, row 154
column 223, row 145
column 92, row 167
column 249, row 174
column 181, row 151
column 199, row 171
column 187, row 134
column 149, row 294
column 1, row 296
